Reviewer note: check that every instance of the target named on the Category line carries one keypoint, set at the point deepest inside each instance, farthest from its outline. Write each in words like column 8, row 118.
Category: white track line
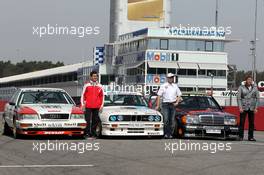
column 42, row 166
column 245, row 143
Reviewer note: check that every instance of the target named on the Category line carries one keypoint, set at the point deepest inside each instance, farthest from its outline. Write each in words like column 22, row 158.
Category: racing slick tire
column 4, row 130
column 177, row 131
column 15, row 134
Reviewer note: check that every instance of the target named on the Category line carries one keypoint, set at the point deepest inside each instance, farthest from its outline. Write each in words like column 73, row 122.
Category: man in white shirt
column 171, row 96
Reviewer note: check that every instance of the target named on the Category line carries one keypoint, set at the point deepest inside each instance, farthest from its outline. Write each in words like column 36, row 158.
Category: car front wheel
column 178, row 131
column 16, row 135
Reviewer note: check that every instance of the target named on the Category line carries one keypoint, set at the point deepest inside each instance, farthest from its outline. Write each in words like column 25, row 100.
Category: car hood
column 129, row 110
column 210, row 112
column 50, row 108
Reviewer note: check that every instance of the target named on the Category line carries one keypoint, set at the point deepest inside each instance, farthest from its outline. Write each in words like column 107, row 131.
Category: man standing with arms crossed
column 171, row 96
column 92, row 100
column 248, row 101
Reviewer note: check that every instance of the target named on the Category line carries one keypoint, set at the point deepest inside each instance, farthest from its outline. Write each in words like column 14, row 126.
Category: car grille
column 136, row 118
column 54, row 116
column 135, row 130
column 212, row 120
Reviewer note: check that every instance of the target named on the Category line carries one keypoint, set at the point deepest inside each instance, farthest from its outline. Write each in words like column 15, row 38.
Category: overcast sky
column 17, row 17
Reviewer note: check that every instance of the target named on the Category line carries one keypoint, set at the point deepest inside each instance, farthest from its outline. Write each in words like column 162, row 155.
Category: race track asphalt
column 137, row 156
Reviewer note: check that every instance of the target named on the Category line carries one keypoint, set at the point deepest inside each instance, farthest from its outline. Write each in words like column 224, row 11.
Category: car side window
column 15, row 96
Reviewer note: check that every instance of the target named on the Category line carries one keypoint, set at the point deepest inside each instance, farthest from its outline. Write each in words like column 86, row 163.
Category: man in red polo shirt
column 92, row 100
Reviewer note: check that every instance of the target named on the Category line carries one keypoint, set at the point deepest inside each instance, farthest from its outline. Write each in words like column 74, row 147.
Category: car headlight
column 192, row 119
column 77, row 116
column 151, row 118
column 120, row 118
column 157, row 118
column 230, row 121
column 29, row 116
column 113, row 118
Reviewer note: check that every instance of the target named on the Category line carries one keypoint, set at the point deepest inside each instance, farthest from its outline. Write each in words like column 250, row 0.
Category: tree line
column 7, row 68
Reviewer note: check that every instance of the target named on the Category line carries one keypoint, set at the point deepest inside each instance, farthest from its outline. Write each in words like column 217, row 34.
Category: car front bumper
column 132, row 129
column 38, row 127
column 208, row 131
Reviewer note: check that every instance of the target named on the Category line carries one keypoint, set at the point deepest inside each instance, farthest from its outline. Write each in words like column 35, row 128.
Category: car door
column 11, row 108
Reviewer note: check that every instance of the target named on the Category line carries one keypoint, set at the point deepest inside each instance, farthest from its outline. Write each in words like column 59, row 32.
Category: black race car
column 201, row 116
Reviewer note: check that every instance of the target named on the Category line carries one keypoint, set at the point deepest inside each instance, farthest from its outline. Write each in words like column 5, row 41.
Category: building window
column 172, row 44
column 219, row 46
column 191, row 45
column 209, row 46
column 187, row 72
column 200, row 46
column 181, row 45
column 211, row 72
column 182, row 72
column 201, row 89
column 221, row 73
column 164, row 45
column 187, row 89
column 162, row 71
column 191, row 72
column 172, row 71
column 202, row 72
column 154, row 44
column 152, row 70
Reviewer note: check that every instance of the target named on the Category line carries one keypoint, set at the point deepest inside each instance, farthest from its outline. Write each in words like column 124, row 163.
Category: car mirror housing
column 12, row 103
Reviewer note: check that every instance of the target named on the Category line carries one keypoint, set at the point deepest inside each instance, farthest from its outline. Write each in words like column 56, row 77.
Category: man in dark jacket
column 248, row 100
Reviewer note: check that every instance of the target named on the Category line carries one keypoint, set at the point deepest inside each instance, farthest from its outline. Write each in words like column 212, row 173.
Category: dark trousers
column 168, row 111
column 92, row 119
column 251, row 117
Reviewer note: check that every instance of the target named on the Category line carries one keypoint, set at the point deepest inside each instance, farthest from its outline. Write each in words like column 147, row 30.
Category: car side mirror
column 12, row 103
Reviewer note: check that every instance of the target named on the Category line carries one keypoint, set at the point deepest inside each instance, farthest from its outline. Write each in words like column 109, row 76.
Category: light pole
column 212, row 83
column 254, row 46
column 216, row 13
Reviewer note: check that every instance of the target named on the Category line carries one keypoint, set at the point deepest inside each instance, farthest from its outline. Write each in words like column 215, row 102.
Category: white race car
column 128, row 114
column 42, row 111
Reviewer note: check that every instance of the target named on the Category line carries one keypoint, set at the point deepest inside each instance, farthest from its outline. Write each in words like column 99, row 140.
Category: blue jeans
column 168, row 111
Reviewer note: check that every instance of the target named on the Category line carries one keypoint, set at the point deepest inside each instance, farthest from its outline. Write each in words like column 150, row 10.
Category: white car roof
column 41, row 89
column 122, row 93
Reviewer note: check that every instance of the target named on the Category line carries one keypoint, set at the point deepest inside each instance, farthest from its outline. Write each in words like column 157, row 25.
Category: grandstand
column 65, row 77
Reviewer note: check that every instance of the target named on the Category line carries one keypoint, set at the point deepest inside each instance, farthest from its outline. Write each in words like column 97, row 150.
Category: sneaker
column 87, row 136
column 252, row 139
column 170, row 137
column 166, row 137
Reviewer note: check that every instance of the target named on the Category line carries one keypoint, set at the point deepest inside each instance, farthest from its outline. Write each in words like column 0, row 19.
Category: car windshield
column 124, row 100
column 45, row 97
column 198, row 103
